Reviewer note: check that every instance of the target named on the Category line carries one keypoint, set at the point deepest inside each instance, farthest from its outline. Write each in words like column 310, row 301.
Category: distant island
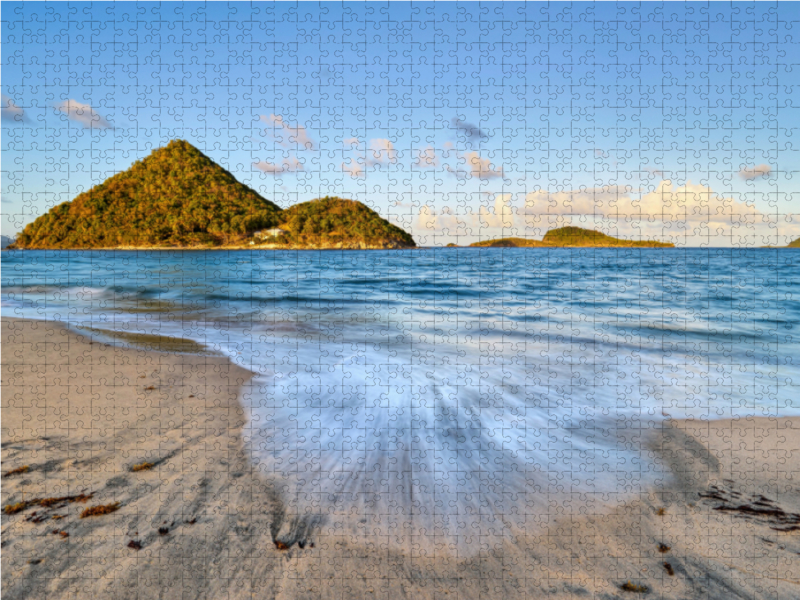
column 570, row 237
column 794, row 244
column 177, row 197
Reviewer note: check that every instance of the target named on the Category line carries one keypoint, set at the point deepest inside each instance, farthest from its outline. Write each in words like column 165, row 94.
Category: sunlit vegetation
column 512, row 242
column 577, row 236
column 331, row 222
column 176, row 196
column 570, row 237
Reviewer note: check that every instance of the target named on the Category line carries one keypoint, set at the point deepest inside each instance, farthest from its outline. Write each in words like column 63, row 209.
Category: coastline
column 202, row 248
column 80, row 414
column 273, row 247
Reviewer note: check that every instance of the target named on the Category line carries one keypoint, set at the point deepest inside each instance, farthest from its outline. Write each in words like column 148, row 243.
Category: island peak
column 571, row 237
column 177, row 197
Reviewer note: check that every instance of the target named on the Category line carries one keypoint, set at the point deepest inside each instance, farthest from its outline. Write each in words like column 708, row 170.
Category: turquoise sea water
column 455, row 389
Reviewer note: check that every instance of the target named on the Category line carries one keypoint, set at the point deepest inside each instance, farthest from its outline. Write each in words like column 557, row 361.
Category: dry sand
column 80, row 414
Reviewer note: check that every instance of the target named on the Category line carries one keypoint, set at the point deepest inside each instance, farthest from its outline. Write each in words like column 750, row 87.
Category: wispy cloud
column 83, row 114
column 473, row 132
column 481, row 167
column 689, row 213
column 11, row 112
column 501, row 214
column 426, row 158
column 690, row 202
column 355, row 169
column 750, row 173
column 286, row 134
column 289, row 165
column 382, row 151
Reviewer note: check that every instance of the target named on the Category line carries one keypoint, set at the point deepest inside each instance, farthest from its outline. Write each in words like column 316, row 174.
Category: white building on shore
column 269, row 233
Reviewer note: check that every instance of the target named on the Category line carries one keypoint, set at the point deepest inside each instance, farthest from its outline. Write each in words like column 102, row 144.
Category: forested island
column 177, row 197
column 571, row 237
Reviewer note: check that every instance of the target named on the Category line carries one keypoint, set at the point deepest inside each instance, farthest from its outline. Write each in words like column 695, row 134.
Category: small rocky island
column 177, row 197
column 571, row 237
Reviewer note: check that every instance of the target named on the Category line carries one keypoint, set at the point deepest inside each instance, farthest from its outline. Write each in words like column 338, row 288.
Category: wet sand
column 203, row 522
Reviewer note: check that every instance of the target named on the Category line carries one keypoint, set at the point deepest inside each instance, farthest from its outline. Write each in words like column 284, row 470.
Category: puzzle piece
column 229, row 370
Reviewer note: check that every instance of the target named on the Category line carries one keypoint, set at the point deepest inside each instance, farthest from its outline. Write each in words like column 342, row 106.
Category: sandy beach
column 156, row 438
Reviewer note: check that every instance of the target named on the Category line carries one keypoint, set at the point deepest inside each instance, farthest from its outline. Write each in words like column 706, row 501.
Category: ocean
column 438, row 393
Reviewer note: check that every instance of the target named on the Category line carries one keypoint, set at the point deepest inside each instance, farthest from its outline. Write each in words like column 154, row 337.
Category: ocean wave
column 430, row 395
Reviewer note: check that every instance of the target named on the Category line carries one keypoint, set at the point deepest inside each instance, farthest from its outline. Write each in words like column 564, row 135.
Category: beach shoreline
column 84, row 416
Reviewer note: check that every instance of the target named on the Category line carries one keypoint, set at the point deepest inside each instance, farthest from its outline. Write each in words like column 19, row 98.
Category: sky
column 457, row 121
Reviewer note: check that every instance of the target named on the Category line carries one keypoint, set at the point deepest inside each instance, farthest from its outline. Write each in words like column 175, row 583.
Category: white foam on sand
column 406, row 443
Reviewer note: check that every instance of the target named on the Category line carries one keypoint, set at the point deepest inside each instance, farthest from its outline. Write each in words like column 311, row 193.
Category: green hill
column 794, row 244
column 570, row 237
column 512, row 242
column 577, row 236
column 178, row 197
column 332, row 222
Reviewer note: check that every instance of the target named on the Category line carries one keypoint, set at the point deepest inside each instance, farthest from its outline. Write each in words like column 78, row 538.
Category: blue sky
column 458, row 121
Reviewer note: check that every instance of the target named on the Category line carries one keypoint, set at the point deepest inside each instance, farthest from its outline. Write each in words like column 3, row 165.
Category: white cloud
column 750, row 173
column 286, row 134
column 382, row 150
column 481, row 167
column 355, row 169
column 426, row 158
column 427, row 218
column 689, row 202
column 603, row 200
column 443, row 220
column 289, row 165
column 11, row 112
column 501, row 215
column 83, row 114
column 690, row 214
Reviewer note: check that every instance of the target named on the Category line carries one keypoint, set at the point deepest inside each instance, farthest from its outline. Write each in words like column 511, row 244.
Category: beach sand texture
column 203, row 522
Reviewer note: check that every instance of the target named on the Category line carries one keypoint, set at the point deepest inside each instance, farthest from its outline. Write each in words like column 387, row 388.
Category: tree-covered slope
column 332, row 222
column 794, row 244
column 569, row 237
column 577, row 236
column 176, row 196
column 511, row 242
